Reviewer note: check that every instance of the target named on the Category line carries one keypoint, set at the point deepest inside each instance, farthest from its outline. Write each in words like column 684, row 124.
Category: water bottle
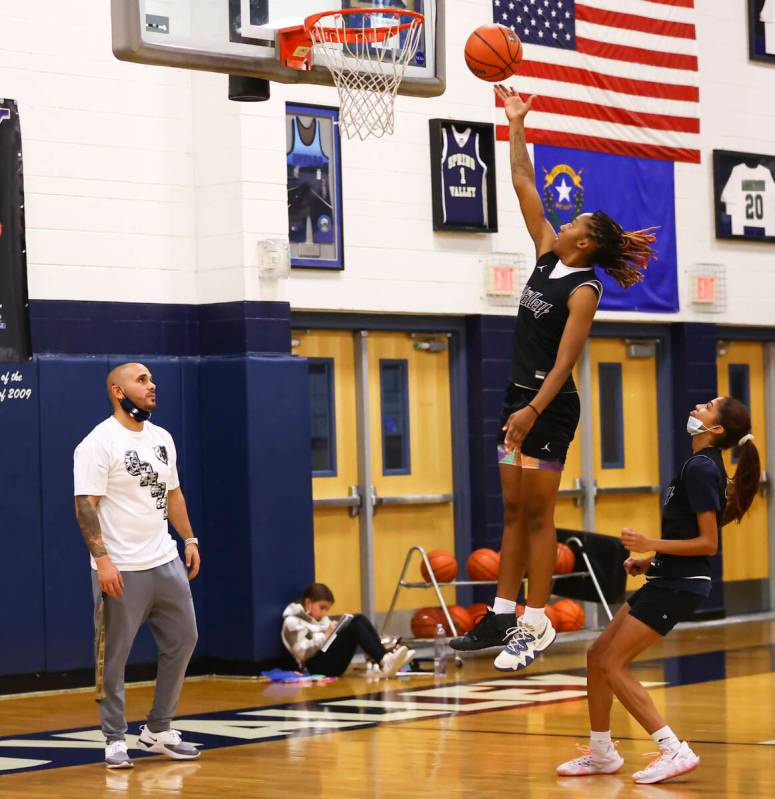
column 440, row 651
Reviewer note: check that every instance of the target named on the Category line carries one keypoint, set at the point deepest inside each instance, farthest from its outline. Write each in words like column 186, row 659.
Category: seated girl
column 306, row 626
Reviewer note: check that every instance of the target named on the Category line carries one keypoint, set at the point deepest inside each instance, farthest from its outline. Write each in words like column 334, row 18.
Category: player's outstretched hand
column 514, row 106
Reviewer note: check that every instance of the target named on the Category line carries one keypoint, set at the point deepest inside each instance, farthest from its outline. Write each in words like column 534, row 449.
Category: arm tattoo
column 521, row 166
column 90, row 526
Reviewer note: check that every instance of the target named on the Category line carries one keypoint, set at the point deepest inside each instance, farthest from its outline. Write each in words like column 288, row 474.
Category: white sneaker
column 668, row 765
column 524, row 646
column 394, row 661
column 116, row 755
column 592, row 762
column 169, row 742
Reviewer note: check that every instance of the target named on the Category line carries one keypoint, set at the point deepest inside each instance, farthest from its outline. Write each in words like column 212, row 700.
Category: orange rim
column 324, row 35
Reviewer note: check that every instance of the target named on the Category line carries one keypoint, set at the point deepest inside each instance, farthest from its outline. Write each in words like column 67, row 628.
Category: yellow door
column 740, row 367
column 411, row 459
column 568, row 512
column 335, row 462
column 625, row 436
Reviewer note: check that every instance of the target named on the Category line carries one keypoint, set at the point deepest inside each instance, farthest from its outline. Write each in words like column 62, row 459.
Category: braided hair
column 623, row 254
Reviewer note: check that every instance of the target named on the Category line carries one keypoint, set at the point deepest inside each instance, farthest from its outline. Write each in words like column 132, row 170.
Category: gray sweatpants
column 162, row 597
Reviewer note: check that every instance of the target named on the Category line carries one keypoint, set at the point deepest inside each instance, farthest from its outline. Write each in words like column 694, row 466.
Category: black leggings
column 334, row 662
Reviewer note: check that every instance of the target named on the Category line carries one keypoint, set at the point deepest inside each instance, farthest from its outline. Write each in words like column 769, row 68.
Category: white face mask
column 694, row 426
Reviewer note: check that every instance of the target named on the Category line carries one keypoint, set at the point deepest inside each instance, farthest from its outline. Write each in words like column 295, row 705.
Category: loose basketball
column 566, row 560
column 424, row 622
column 493, row 52
column 569, row 615
column 551, row 614
column 460, row 616
column 483, row 564
column 443, row 564
column 478, row 611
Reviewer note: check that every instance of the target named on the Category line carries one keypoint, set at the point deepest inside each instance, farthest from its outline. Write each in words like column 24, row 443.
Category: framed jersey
column 744, row 194
column 463, row 176
column 761, row 30
column 313, row 159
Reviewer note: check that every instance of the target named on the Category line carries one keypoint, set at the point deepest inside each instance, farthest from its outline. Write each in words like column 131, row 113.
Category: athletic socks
column 666, row 740
column 599, row 742
column 534, row 617
column 504, row 606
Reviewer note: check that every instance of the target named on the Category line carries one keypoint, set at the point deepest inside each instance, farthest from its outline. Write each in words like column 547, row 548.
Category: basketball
column 460, row 616
column 443, row 564
column 569, row 615
column 551, row 614
column 493, row 52
column 478, row 611
column 566, row 560
column 483, row 564
column 424, row 622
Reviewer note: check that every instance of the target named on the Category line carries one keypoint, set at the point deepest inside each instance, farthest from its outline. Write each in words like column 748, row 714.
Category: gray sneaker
column 116, row 755
column 169, row 742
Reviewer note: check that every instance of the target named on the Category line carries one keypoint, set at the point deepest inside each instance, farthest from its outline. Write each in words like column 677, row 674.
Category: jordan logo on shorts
column 545, row 447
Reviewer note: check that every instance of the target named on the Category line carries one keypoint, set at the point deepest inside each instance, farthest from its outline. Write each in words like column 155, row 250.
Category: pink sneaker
column 592, row 762
column 668, row 765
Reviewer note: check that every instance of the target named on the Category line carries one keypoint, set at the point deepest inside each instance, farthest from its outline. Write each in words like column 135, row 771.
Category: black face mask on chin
column 138, row 414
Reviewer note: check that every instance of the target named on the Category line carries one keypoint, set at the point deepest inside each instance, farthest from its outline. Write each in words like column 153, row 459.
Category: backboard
column 239, row 37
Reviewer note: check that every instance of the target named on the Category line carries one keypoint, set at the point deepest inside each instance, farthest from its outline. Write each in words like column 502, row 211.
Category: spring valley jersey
column 543, row 312
column 749, row 198
column 463, row 178
column 308, row 190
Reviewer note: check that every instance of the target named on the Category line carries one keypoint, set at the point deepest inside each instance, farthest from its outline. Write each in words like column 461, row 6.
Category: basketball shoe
column 525, row 644
column 116, row 755
column 493, row 629
column 668, row 765
column 592, row 762
column 169, row 742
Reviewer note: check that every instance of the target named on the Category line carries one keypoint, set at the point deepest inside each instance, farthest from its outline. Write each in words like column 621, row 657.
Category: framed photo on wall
column 761, row 30
column 463, row 176
column 744, row 195
column 313, row 157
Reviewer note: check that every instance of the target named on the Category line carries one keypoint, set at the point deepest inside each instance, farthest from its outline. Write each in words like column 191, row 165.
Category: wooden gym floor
column 475, row 733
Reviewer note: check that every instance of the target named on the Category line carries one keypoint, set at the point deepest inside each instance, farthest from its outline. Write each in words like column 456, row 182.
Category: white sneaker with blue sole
column 524, row 646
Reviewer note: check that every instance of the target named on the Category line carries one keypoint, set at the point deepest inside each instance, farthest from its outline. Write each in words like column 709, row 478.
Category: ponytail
column 624, row 255
column 736, row 421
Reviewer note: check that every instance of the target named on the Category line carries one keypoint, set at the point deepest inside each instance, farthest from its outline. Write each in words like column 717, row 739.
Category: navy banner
column 637, row 192
column 14, row 317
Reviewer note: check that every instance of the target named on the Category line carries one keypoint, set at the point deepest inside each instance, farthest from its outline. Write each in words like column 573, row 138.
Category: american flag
column 617, row 76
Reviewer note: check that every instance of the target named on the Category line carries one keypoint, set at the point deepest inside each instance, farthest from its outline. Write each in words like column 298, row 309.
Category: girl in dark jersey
column 698, row 502
column 541, row 406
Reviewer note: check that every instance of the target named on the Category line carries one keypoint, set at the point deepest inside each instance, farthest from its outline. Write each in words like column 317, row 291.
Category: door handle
column 629, row 490
column 353, row 502
column 410, row 499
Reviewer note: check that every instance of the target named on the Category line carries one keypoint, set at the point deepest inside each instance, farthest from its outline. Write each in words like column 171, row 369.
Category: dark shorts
column 553, row 431
column 662, row 608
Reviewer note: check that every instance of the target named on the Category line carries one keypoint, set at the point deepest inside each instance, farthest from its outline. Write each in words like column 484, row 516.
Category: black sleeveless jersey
column 700, row 486
column 543, row 312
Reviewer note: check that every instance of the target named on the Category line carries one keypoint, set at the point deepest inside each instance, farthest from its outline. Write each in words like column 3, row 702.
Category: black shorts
column 662, row 608
column 552, row 432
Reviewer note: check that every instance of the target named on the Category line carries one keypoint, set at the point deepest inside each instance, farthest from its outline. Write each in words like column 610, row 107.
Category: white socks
column 666, row 740
column 600, row 742
column 534, row 617
column 504, row 606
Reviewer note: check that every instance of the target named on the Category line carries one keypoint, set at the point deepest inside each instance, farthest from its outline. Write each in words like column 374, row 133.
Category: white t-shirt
column 132, row 472
column 768, row 18
column 749, row 197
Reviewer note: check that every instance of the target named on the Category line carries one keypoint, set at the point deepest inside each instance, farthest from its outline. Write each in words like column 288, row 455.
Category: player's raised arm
column 522, row 172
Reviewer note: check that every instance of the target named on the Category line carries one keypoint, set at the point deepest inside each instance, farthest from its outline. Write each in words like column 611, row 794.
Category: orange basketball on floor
column 566, row 560
column 443, row 564
column 478, row 611
column 520, row 610
column 483, row 564
column 424, row 622
column 493, row 52
column 551, row 615
column 460, row 616
column 569, row 614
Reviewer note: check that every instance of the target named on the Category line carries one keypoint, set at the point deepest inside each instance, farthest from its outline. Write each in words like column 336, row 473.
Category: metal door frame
column 360, row 325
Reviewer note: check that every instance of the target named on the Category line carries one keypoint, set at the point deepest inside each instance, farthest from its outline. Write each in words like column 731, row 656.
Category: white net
column 367, row 65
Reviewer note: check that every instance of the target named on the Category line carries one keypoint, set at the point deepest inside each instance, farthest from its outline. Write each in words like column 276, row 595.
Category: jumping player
column 699, row 501
column 541, row 406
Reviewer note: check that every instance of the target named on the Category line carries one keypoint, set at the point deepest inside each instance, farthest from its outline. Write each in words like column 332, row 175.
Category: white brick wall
column 147, row 184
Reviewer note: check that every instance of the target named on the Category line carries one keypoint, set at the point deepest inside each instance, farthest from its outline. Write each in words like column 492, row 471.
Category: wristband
column 532, row 408
column 191, row 540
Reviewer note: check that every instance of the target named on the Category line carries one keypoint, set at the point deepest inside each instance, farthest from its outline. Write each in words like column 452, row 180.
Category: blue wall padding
column 280, row 468
column 22, row 631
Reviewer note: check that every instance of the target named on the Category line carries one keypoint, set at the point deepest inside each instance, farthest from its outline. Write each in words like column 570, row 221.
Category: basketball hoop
column 367, row 63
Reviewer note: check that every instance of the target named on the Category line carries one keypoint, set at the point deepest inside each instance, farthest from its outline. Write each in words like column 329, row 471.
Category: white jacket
column 301, row 634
